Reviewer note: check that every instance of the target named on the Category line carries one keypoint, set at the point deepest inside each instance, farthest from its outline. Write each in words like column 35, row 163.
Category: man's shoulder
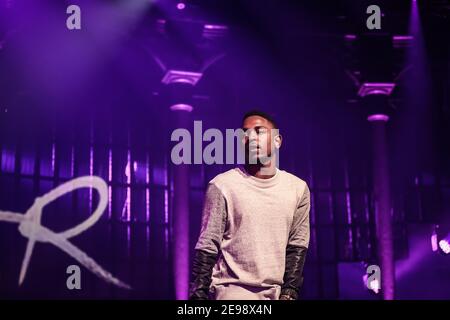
column 293, row 179
column 296, row 183
column 225, row 177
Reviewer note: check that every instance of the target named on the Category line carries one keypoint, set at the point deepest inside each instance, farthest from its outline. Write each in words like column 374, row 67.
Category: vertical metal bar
column 147, row 189
column 110, row 182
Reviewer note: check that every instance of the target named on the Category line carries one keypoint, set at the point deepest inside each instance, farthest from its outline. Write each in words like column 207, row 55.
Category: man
column 255, row 225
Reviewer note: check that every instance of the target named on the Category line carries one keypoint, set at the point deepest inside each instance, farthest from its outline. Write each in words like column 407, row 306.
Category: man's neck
column 260, row 171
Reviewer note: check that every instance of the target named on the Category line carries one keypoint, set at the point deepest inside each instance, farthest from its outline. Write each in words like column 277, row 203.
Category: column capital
column 181, row 76
column 372, row 88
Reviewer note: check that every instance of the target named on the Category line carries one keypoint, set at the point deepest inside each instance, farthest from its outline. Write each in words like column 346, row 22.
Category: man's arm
column 296, row 249
column 214, row 217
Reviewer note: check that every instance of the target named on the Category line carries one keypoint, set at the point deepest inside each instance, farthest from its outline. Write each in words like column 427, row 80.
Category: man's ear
column 278, row 140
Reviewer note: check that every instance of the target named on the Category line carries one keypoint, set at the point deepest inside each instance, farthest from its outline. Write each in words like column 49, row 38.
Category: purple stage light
column 109, row 184
column 127, row 169
column 181, row 6
column 444, row 244
column 402, row 38
column 181, row 107
column 402, row 41
column 53, row 158
column 147, row 190
column 126, row 210
column 378, row 117
column 215, row 27
column 434, row 242
column 8, row 161
column 213, row 31
column 374, row 285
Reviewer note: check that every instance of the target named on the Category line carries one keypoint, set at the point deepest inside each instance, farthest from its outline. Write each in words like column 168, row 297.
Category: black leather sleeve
column 293, row 275
column 201, row 275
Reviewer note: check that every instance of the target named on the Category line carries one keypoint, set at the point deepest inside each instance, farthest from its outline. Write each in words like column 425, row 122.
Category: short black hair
column 261, row 114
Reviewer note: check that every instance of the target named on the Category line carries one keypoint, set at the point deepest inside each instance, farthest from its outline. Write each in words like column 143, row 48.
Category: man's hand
column 201, row 273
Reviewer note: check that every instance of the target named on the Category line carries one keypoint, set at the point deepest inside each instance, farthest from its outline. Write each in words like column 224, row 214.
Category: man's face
column 258, row 140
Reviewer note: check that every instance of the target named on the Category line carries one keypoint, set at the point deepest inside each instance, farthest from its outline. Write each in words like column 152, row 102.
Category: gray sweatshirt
column 249, row 222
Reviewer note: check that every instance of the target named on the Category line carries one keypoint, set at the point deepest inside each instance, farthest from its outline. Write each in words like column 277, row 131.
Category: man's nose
column 252, row 135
